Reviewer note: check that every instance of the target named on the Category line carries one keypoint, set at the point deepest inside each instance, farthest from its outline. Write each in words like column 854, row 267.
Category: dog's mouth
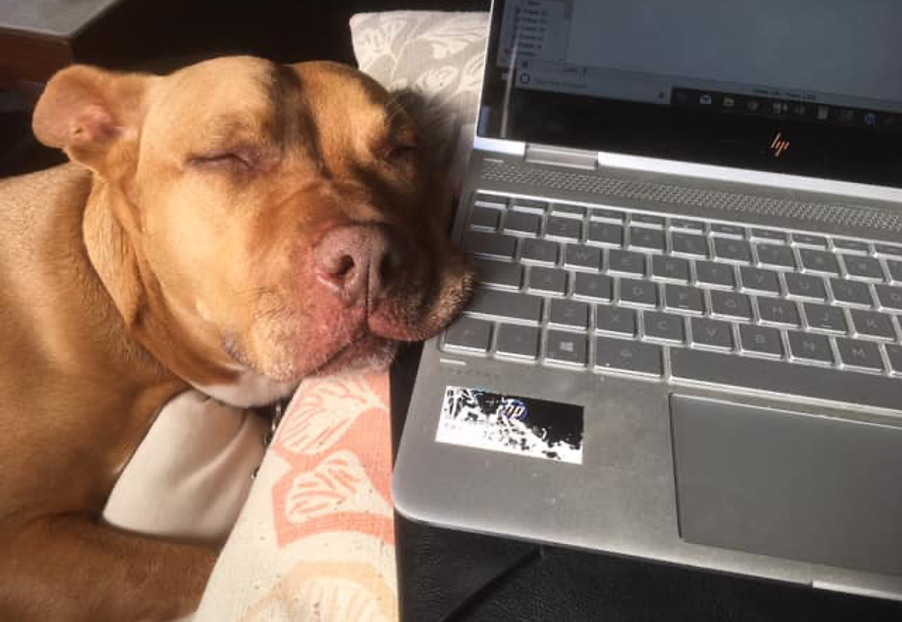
column 335, row 322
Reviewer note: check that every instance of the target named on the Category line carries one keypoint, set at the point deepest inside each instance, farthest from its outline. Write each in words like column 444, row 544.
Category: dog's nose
column 359, row 260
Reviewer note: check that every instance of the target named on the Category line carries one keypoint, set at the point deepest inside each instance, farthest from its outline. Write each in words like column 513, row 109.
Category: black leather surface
column 448, row 576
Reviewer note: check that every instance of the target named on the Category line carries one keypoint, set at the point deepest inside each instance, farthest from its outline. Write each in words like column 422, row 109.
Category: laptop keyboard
column 620, row 291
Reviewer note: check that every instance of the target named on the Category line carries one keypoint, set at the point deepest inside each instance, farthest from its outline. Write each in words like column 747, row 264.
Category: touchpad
column 789, row 485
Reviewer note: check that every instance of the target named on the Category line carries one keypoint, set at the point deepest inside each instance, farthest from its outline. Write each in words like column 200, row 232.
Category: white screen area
column 834, row 47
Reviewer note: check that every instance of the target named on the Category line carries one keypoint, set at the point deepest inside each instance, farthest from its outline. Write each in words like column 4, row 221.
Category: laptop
column 685, row 342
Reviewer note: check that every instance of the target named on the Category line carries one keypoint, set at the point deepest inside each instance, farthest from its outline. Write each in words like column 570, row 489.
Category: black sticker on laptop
column 518, row 425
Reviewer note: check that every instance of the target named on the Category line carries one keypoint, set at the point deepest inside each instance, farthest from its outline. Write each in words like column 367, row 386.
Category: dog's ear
column 92, row 114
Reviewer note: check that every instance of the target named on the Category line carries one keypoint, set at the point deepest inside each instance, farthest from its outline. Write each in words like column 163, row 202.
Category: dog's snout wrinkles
column 358, row 261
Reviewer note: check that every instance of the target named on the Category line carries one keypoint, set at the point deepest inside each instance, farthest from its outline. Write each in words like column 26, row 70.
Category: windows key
column 566, row 348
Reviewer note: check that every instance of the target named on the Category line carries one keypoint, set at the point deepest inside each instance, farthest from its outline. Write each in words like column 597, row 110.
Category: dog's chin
column 366, row 354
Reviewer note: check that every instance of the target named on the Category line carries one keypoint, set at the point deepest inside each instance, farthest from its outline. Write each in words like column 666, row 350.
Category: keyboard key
column 872, row 324
column 895, row 270
column 603, row 213
column 569, row 313
column 863, row 267
column 506, row 305
column 664, row 326
column 888, row 249
column 648, row 220
column 810, row 347
column 689, row 244
column 563, row 228
column 733, row 231
column 711, row 273
column 863, row 354
column 645, row 238
column 825, row 317
column 547, row 281
column 779, row 256
column 567, row 348
column 760, row 280
column 626, row 262
column 489, row 244
column 731, row 304
column 687, row 224
column 778, row 311
column 732, row 250
column 566, row 209
column 469, row 334
column 760, row 340
column 529, row 205
column 579, row 256
column 683, row 298
column 593, row 286
column 522, row 222
column 785, row 378
column 517, row 341
column 541, row 251
column 805, row 286
column 604, row 233
column 806, row 239
column 634, row 291
column 894, row 354
column 768, row 234
column 851, row 292
column 490, row 200
column 672, row 268
column 889, row 297
column 616, row 320
column 818, row 261
column 851, row 245
column 712, row 333
column 628, row 356
column 485, row 218
column 500, row 273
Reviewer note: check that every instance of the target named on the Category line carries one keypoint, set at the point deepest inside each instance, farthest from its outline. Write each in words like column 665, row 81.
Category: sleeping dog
column 234, row 226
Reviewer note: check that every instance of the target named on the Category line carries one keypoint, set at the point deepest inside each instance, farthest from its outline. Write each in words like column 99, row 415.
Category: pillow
column 437, row 56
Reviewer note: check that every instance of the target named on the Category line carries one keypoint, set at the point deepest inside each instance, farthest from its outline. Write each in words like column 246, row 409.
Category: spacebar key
column 506, row 305
column 786, row 378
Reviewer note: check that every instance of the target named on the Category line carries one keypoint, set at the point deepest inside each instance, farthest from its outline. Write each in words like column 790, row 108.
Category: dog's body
column 235, row 226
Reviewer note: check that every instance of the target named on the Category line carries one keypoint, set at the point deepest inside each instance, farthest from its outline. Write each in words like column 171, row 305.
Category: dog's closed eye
column 400, row 151
column 235, row 159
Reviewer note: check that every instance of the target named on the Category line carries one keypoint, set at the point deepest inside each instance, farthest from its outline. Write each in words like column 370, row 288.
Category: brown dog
column 234, row 226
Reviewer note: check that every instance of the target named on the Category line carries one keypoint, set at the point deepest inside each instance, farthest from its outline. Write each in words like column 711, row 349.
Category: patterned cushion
column 435, row 55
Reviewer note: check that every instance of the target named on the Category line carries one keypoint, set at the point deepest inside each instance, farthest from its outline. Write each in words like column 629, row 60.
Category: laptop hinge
column 559, row 156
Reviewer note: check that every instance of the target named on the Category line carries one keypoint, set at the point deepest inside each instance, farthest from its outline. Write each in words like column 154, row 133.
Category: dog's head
column 281, row 220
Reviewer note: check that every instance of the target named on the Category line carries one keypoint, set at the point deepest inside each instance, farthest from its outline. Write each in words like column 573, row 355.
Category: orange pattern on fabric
column 336, row 436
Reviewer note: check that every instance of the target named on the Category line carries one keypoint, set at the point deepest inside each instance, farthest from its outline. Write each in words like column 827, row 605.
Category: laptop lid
column 808, row 88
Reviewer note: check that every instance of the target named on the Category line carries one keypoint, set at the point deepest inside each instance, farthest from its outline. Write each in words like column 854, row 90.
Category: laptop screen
column 805, row 87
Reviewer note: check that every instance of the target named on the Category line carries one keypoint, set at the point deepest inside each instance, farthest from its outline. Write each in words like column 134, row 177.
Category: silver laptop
column 685, row 344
